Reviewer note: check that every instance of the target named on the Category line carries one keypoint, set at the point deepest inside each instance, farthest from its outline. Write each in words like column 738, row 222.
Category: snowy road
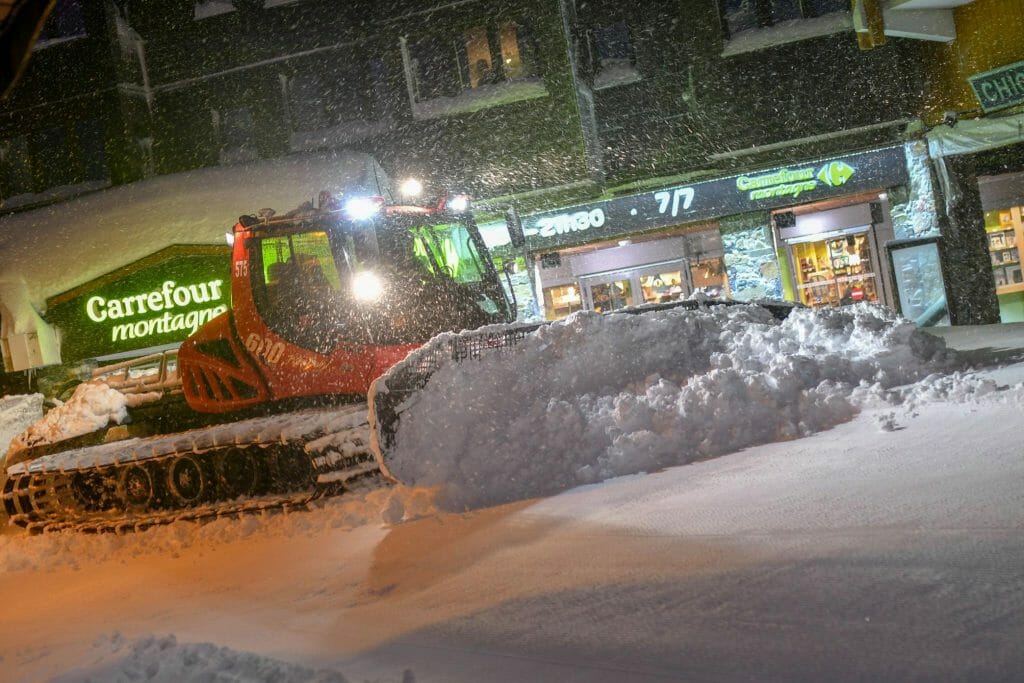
column 851, row 554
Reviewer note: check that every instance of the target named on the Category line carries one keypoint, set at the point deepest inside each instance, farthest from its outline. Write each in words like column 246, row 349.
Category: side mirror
column 515, row 228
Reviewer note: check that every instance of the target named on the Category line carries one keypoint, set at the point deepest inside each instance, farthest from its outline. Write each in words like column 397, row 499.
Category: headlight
column 367, row 286
column 361, row 208
column 457, row 203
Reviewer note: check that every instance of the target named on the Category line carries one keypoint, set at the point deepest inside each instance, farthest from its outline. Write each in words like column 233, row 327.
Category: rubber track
column 41, row 500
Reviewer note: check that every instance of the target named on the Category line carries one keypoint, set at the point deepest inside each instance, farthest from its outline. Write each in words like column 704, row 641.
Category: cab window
column 300, row 263
column 450, row 247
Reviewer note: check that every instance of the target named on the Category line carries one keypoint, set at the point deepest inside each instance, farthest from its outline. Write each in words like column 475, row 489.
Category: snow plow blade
column 395, row 392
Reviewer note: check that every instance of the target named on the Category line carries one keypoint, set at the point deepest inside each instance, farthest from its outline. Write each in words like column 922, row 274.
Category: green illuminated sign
column 157, row 301
column 170, row 295
column 792, row 183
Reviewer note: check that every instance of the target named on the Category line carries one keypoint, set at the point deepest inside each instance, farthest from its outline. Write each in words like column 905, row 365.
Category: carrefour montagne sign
column 156, row 301
column 793, row 183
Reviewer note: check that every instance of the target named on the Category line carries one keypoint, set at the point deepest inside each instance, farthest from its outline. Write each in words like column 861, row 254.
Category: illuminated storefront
column 836, row 256
column 812, row 231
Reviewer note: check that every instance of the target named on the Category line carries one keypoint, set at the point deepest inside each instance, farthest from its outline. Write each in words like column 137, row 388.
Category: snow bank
column 16, row 414
column 162, row 659
column 93, row 406
column 598, row 396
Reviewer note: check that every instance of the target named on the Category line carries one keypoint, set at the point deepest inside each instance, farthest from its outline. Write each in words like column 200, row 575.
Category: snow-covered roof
column 52, row 249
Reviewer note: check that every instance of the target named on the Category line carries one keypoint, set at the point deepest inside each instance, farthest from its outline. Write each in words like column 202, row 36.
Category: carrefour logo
column 836, row 173
column 794, row 182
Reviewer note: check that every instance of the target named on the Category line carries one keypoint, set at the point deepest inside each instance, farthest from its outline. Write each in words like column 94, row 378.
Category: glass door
column 838, row 270
column 610, row 295
column 649, row 284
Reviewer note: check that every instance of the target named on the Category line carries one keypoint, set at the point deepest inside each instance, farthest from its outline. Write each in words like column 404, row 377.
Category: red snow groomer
column 324, row 300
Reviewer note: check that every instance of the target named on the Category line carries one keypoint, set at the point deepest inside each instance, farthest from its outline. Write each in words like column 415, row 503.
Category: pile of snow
column 164, row 659
column 598, row 396
column 93, row 406
column 16, row 414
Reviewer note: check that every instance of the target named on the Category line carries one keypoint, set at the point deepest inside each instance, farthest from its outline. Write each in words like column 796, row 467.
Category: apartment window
column 65, row 22
column 237, row 128
column 320, row 95
column 311, row 101
column 15, row 167
column 742, row 15
column 52, row 156
column 446, row 66
column 91, row 150
column 612, row 59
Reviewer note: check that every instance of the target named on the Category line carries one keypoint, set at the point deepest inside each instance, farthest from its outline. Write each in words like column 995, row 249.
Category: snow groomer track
column 253, row 466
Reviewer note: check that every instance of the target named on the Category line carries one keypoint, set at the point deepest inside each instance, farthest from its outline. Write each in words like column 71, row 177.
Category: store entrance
column 657, row 283
column 839, row 270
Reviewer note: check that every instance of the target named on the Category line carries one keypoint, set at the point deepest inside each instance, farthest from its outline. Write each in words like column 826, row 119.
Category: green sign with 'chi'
column 156, row 301
column 999, row 88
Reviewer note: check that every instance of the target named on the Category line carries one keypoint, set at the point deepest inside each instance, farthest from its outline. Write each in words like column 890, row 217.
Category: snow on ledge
column 787, row 32
column 482, row 97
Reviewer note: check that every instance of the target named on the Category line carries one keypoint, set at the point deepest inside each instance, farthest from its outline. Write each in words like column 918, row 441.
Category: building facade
column 741, row 147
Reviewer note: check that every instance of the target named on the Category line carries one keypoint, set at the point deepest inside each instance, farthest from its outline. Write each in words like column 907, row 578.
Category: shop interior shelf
column 1011, row 289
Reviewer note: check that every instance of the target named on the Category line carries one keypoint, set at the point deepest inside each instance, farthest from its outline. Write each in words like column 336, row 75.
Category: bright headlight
column 361, row 208
column 458, row 203
column 367, row 286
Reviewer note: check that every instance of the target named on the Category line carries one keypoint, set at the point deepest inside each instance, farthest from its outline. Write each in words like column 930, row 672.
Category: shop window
column 64, row 23
column 561, row 301
column 1004, row 230
column 481, row 67
column 708, row 277
column 662, row 287
column 742, row 15
column 611, row 55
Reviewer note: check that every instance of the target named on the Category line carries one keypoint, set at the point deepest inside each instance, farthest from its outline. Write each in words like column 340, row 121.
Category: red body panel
column 279, row 368
column 215, row 371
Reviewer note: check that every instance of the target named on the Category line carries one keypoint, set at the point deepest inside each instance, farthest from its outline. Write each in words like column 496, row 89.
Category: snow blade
column 397, row 390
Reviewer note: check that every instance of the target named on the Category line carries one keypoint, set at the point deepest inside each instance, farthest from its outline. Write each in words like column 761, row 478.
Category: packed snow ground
column 885, row 548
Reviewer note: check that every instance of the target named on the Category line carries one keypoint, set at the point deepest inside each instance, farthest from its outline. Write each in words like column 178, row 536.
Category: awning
column 975, row 135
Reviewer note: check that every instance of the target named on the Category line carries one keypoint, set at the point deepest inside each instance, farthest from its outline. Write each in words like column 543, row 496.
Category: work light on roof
column 411, row 187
